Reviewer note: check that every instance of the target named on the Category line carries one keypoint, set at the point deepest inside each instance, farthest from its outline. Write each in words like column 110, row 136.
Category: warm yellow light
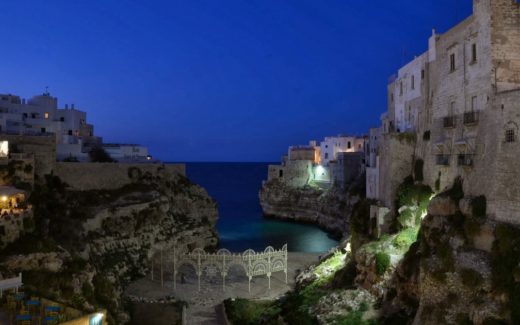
column 46, row 115
column 4, row 198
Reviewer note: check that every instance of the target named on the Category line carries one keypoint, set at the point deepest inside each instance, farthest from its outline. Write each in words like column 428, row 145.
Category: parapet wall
column 106, row 176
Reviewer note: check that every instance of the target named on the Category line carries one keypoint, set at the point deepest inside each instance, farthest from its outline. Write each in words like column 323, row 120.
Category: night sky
column 217, row 80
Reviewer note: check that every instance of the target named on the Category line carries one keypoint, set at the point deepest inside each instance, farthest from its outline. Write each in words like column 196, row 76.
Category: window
column 422, row 74
column 326, row 155
column 46, row 115
column 473, row 52
column 452, row 62
column 349, row 145
column 43, row 130
column 33, row 115
column 280, row 173
column 510, row 135
column 392, row 97
column 70, row 132
column 62, row 119
column 474, row 103
column 24, row 115
column 413, row 82
column 400, row 88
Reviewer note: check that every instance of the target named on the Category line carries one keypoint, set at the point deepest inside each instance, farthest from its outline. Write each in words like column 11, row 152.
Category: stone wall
column 294, row 173
column 396, row 157
column 505, row 40
column 89, row 176
column 42, row 147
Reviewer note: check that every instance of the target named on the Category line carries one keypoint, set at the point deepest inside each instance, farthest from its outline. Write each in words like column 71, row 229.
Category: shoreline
column 332, row 232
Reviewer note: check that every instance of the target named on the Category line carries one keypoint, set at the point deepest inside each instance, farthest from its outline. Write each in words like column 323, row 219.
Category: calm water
column 241, row 226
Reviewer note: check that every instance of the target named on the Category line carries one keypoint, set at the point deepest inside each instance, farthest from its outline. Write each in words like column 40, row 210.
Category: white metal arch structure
column 254, row 263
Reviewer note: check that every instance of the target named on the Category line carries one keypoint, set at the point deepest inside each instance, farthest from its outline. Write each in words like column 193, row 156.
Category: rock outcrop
column 329, row 209
column 88, row 245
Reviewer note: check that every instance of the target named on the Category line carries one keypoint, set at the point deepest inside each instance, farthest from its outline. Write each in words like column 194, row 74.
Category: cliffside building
column 456, row 108
column 74, row 137
column 334, row 161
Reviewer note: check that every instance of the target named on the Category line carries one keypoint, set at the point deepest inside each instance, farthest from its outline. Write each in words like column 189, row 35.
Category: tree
column 98, row 154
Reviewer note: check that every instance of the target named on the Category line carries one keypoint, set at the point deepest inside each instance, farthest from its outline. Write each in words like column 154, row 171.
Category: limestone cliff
column 87, row 245
column 464, row 268
column 329, row 209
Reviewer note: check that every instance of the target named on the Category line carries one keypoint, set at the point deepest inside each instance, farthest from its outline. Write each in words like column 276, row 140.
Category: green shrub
column 243, row 311
column 479, row 206
column 470, row 277
column 406, row 237
column 382, row 263
column 418, row 170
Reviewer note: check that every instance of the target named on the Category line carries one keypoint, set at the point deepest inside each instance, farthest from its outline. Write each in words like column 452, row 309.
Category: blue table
column 32, row 302
column 23, row 317
column 53, row 308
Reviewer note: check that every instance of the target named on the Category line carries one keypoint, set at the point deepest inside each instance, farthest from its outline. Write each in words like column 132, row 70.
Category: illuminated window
column 4, row 149
column 46, row 115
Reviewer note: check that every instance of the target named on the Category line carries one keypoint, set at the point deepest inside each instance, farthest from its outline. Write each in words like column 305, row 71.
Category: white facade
column 331, row 146
column 74, row 136
column 408, row 88
column 126, row 152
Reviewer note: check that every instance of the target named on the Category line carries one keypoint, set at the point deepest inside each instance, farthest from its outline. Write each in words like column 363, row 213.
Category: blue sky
column 227, row 80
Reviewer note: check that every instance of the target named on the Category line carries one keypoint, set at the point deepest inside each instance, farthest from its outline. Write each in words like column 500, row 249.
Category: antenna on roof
column 46, row 93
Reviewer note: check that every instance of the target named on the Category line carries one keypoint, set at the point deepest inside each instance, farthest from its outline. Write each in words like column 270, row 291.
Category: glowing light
column 4, row 198
column 46, row 115
column 148, row 157
column 96, row 319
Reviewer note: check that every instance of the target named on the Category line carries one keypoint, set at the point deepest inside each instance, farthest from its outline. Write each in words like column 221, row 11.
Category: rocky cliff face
column 329, row 209
column 463, row 268
column 88, row 245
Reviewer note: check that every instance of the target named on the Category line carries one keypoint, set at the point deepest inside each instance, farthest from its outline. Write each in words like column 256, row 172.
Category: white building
column 126, row 152
column 74, row 136
column 331, row 146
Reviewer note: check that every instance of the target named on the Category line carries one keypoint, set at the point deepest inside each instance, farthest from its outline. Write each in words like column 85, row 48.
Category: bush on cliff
column 382, row 263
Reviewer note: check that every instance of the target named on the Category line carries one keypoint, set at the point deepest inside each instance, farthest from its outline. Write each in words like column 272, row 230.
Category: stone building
column 331, row 146
column 74, row 137
column 456, row 108
column 335, row 161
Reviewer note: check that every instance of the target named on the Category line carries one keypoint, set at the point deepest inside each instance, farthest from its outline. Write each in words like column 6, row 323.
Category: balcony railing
column 443, row 160
column 470, row 118
column 449, row 122
column 465, row 160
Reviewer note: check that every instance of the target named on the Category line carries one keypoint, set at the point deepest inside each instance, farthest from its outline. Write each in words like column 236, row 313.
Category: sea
column 241, row 225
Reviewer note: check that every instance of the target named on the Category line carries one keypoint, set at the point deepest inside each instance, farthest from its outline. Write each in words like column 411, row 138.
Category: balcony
column 465, row 160
column 449, row 122
column 470, row 118
column 443, row 160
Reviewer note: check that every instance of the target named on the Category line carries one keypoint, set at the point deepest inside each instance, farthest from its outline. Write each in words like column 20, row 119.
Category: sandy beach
column 203, row 304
